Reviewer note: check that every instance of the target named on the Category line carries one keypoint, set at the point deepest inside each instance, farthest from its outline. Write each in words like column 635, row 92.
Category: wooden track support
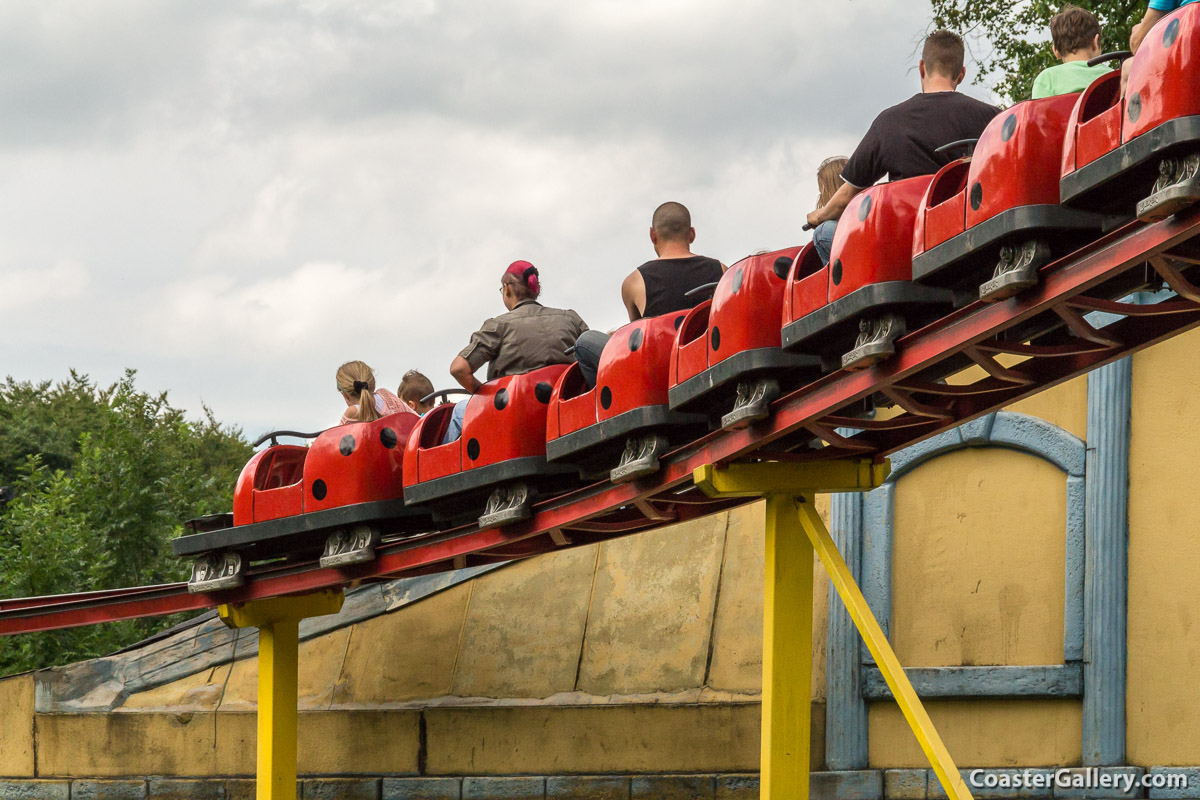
column 278, row 623
column 790, row 490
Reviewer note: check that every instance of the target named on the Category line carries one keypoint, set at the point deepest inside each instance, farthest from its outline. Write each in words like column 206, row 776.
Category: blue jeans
column 588, row 348
column 454, row 429
column 823, row 239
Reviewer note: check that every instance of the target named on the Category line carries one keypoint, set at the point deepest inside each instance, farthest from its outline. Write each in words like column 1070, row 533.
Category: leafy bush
column 102, row 480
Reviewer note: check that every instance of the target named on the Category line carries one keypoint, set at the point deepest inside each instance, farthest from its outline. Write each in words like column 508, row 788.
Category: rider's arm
column 1152, row 16
column 836, row 205
column 633, row 295
column 460, row 370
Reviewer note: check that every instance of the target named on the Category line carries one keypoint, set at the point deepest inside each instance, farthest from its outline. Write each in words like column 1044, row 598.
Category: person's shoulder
column 894, row 110
column 1041, row 84
column 1050, row 71
column 566, row 312
column 492, row 324
column 966, row 107
column 570, row 315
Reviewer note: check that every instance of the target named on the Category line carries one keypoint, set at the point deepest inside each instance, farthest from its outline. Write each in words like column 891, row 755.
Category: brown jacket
column 529, row 337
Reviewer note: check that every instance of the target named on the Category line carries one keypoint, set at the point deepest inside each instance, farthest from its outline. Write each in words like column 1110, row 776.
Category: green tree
column 99, row 511
column 1010, row 39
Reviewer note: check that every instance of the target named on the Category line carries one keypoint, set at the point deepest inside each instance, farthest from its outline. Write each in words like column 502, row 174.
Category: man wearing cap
column 660, row 286
column 530, row 336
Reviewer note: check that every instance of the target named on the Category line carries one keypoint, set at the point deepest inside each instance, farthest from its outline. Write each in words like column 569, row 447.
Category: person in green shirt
column 1076, row 35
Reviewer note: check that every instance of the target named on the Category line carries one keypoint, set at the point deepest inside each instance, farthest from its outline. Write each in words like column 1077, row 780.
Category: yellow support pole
column 787, row 655
column 868, row 627
column 278, row 623
column 790, row 489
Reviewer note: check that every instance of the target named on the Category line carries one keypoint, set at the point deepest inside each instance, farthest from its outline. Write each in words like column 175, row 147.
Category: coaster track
column 1044, row 328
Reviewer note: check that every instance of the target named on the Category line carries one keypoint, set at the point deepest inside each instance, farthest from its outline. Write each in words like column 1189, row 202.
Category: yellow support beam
column 790, row 490
column 885, row 657
column 787, row 654
column 773, row 477
column 278, row 623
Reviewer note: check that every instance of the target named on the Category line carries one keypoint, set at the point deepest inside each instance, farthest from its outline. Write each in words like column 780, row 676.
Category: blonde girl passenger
column 829, row 180
column 365, row 402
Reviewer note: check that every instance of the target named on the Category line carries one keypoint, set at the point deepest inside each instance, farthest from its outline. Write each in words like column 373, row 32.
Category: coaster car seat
column 996, row 214
column 851, row 311
column 726, row 363
column 498, row 463
column 620, row 427
column 1141, row 154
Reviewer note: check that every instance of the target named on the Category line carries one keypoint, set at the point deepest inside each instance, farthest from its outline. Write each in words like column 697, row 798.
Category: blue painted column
column 845, row 708
column 1106, row 566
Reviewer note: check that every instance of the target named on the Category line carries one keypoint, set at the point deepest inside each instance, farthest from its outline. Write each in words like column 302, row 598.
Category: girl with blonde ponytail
column 364, row 402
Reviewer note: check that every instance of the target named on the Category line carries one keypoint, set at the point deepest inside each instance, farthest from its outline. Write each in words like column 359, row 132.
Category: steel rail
column 603, row 511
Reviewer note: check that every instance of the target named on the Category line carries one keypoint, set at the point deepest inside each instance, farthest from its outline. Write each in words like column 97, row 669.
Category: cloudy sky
column 235, row 197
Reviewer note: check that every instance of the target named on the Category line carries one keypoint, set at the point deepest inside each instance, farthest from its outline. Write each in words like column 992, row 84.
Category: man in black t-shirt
column 659, row 286
column 901, row 141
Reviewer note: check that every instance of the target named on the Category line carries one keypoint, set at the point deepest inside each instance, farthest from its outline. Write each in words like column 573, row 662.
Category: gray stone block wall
column 892, row 784
column 422, row 789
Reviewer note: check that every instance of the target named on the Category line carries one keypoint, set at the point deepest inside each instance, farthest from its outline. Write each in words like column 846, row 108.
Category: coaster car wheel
column 640, row 457
column 1176, row 188
column 1016, row 270
column 355, row 545
column 876, row 341
column 505, row 505
column 754, row 398
column 215, row 572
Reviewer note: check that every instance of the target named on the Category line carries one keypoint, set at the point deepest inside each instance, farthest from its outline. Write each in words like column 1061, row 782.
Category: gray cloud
column 235, row 198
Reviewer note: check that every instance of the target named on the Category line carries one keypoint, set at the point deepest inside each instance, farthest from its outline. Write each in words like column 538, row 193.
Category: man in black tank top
column 659, row 286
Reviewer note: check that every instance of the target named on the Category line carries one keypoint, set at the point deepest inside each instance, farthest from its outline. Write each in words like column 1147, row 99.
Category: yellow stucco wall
column 674, row 612
column 978, row 561
column 1065, row 406
column 1016, row 733
column 1162, row 726
column 16, row 727
column 201, row 744
column 978, row 572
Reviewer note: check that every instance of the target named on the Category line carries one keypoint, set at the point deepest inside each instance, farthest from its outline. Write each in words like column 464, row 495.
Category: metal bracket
column 216, row 572
column 876, row 341
column 639, row 458
column 507, row 504
column 776, row 477
column 1015, row 271
column 1177, row 187
column 350, row 546
column 753, row 403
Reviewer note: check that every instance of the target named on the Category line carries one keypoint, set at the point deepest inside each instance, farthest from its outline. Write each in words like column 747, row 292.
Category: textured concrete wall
column 1164, row 554
column 674, row 613
column 641, row 654
column 1026, row 733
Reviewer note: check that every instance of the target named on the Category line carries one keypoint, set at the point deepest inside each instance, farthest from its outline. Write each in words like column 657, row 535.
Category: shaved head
column 672, row 222
column 943, row 54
